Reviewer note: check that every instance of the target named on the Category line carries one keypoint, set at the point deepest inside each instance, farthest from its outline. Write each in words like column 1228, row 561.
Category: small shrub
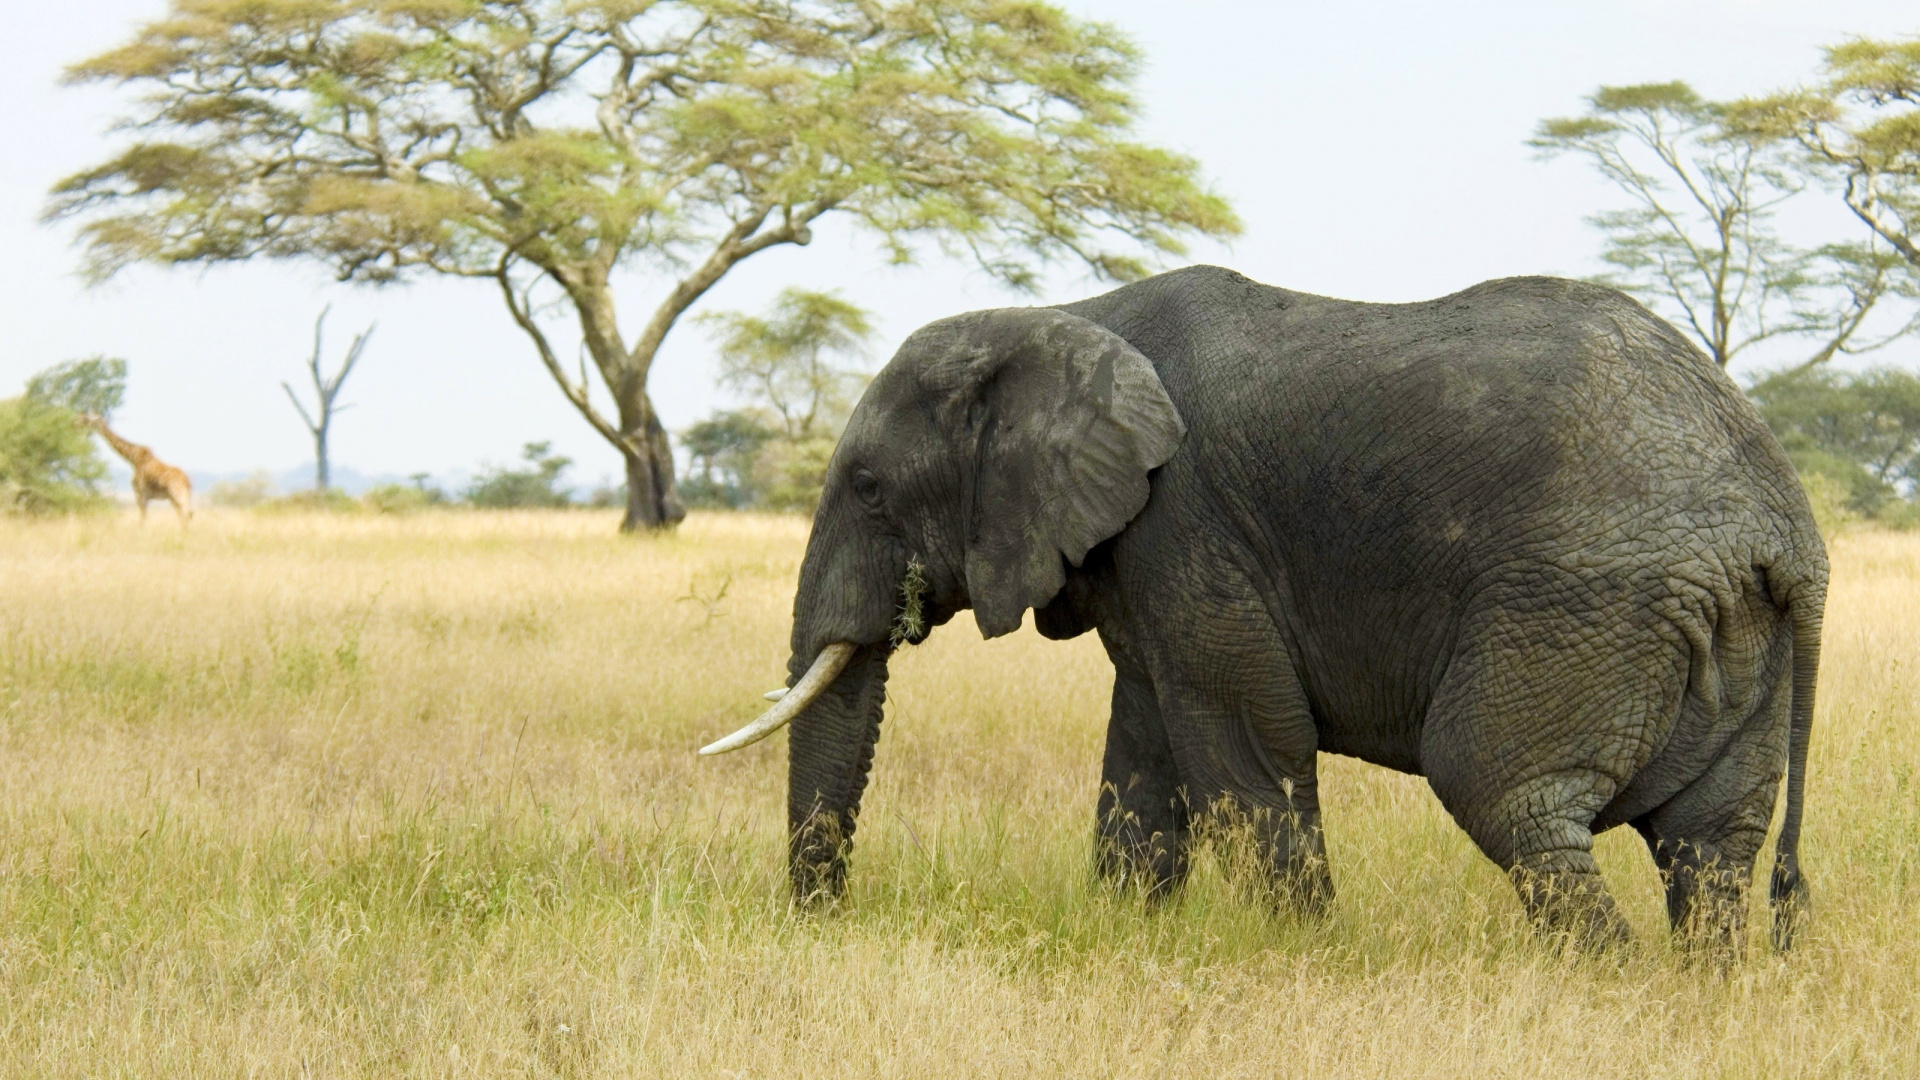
column 401, row 498
column 538, row 486
column 243, row 494
column 332, row 501
column 47, row 461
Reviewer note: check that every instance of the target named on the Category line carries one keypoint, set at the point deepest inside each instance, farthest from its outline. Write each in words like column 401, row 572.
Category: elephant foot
column 1303, row 888
column 1570, row 906
column 1154, row 867
column 1706, row 899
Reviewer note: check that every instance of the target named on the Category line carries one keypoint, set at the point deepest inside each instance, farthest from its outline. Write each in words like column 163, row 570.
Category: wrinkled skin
column 1524, row 541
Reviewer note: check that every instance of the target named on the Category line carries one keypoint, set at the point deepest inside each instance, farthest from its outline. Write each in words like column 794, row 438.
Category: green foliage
column 47, row 460
column 327, row 501
column 784, row 361
column 47, row 463
column 1859, row 130
column 723, row 449
column 774, row 453
column 1854, row 436
column 535, row 486
column 792, row 473
column 401, row 498
column 95, row 385
column 1001, row 126
column 910, row 622
column 1698, row 239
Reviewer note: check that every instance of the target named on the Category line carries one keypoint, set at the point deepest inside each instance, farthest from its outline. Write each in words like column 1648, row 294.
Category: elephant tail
column 1787, row 895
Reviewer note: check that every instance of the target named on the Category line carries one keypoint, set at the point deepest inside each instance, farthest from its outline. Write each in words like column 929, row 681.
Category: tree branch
column 312, row 427
column 742, row 241
column 522, row 312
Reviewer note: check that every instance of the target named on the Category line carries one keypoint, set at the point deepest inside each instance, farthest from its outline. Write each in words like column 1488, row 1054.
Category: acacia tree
column 47, row 461
column 548, row 144
column 1698, row 235
column 1859, row 128
column 785, row 360
column 326, row 395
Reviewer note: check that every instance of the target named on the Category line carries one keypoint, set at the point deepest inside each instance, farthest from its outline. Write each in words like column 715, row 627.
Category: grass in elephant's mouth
column 418, row 797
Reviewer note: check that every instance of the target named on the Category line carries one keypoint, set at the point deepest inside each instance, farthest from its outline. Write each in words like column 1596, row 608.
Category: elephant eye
column 867, row 486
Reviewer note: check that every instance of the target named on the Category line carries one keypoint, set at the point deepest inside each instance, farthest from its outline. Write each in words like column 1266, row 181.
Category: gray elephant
column 1524, row 541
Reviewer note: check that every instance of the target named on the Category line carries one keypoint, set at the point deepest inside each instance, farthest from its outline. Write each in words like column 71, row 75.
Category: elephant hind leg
column 1538, row 832
column 1705, row 840
column 1706, row 837
column 1533, row 731
column 1706, row 886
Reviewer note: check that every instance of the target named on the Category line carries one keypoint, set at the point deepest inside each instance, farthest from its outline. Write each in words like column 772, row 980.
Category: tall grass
column 313, row 796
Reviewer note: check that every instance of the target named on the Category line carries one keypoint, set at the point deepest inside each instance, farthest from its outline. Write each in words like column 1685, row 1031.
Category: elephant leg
column 1538, row 831
column 1143, row 812
column 1704, row 843
column 1706, row 886
column 1252, row 774
column 1540, row 721
column 1705, row 839
column 1242, row 731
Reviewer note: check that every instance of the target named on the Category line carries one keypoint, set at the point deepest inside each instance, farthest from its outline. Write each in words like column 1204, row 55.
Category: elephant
column 1525, row 541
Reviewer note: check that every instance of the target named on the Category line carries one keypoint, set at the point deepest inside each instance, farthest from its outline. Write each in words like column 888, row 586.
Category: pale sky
column 1375, row 151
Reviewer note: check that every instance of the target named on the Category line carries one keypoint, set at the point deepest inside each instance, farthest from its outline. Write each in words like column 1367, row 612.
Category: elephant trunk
column 845, row 605
column 829, row 754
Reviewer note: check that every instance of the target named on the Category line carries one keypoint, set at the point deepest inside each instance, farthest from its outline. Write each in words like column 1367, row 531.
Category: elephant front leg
column 1142, row 822
column 1276, row 846
column 1257, row 786
column 1238, row 726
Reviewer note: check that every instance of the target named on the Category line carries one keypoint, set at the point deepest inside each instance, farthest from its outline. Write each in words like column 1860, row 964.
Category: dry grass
column 395, row 797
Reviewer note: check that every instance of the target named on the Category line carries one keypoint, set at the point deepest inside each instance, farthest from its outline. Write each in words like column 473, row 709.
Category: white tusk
column 775, row 694
column 826, row 667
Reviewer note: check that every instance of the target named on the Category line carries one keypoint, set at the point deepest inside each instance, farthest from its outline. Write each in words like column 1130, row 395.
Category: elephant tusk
column 775, row 694
column 826, row 667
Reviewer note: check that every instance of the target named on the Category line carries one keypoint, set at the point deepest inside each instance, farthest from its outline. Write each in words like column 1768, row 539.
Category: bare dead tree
column 327, row 390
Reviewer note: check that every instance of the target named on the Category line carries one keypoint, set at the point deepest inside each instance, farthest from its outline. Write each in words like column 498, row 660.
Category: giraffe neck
column 135, row 454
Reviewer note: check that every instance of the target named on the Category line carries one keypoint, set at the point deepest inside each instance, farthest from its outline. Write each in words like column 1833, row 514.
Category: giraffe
column 152, row 478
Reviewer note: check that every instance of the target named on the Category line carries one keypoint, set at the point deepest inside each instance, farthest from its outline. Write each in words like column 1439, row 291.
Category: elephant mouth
column 910, row 626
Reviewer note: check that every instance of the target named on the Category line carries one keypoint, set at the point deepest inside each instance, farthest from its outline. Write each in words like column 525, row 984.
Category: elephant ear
column 1062, row 420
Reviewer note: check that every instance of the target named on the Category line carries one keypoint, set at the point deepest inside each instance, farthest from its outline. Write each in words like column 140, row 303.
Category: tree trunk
column 322, row 476
column 644, row 448
column 652, row 502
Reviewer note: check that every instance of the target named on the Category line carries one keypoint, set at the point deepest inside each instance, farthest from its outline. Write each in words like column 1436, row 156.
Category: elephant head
column 993, row 450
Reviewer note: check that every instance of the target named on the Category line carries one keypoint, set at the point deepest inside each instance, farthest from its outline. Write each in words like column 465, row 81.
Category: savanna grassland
column 369, row 796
